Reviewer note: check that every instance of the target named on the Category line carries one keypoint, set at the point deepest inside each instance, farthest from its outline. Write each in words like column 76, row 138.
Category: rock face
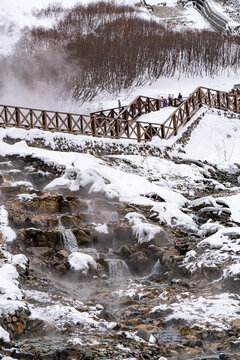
column 92, row 290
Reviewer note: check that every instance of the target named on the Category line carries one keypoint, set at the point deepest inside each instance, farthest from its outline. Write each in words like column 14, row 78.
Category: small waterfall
column 156, row 268
column 118, row 269
column 69, row 240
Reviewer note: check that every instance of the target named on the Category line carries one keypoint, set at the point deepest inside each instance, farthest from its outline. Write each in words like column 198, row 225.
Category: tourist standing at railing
column 180, row 97
column 161, row 102
column 170, row 100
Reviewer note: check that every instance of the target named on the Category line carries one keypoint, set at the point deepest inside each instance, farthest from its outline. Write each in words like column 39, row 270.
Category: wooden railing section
column 121, row 122
column 139, row 106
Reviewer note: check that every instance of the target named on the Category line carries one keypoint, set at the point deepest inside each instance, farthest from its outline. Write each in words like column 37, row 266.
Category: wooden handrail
column 120, row 124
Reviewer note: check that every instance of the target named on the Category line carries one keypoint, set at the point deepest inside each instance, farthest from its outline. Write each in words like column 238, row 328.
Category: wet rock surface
column 129, row 299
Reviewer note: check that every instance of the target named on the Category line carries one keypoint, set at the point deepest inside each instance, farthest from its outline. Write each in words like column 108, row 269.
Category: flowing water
column 118, row 269
column 69, row 240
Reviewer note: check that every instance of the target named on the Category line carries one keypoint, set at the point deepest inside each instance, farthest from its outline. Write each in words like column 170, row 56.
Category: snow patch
column 102, row 229
column 4, row 335
column 7, row 233
column 81, row 262
column 217, row 312
column 143, row 231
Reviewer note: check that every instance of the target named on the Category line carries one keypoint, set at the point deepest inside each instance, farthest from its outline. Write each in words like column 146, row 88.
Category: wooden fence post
column 187, row 110
column 218, row 100
column 209, row 97
column 125, row 122
column 5, row 115
column 133, row 109
column 227, row 98
column 148, row 106
column 17, row 114
column 81, row 123
column 139, row 105
column 174, row 125
column 162, row 131
column 200, row 96
column 236, row 104
column 125, row 115
column 31, row 118
column 139, row 131
column 57, row 122
column 112, row 117
column 117, row 130
column 44, row 120
column 93, row 125
column 69, row 120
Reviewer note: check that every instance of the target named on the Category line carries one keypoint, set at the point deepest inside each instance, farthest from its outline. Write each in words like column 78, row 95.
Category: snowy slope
column 217, row 138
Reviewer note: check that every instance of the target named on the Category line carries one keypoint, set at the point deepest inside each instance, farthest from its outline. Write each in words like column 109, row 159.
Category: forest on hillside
column 108, row 47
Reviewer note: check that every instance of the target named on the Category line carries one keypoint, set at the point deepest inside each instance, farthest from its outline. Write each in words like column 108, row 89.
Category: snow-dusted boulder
column 146, row 232
column 82, row 263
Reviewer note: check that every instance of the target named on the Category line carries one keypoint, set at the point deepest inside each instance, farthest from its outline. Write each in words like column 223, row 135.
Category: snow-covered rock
column 8, row 234
column 82, row 262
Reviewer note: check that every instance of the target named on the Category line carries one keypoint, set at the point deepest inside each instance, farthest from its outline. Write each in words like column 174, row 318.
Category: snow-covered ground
column 218, row 310
column 157, row 117
column 217, row 137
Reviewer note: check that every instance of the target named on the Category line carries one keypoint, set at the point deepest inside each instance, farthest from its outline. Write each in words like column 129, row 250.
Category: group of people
column 171, row 100
column 235, row 91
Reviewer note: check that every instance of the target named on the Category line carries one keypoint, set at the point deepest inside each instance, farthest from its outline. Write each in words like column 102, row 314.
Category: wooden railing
column 122, row 122
column 139, row 106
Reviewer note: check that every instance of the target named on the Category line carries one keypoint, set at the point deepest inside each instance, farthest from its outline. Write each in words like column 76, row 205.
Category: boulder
column 143, row 334
column 83, row 238
column 41, row 238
